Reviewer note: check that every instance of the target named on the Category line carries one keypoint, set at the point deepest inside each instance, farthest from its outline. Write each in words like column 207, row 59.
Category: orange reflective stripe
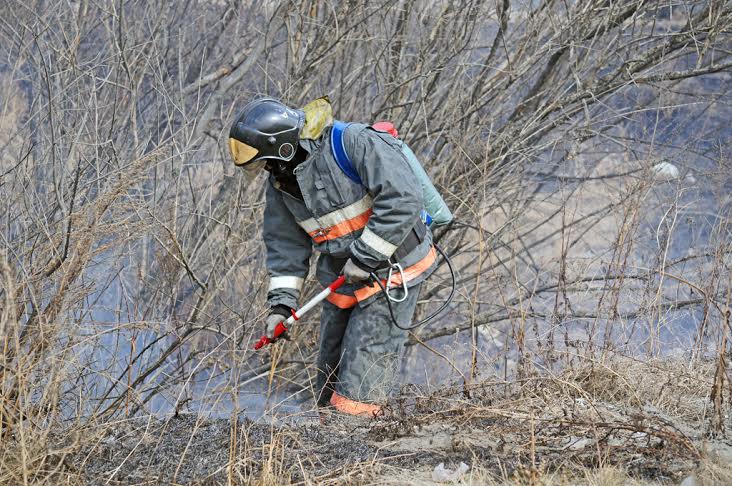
column 352, row 407
column 342, row 229
column 410, row 273
column 342, row 301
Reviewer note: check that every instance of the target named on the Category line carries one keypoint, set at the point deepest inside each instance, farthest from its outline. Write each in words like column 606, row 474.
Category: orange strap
column 348, row 301
column 342, row 301
column 343, row 228
column 410, row 273
column 352, row 407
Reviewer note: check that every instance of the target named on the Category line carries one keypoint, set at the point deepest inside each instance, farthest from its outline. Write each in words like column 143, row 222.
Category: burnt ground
column 653, row 429
column 188, row 450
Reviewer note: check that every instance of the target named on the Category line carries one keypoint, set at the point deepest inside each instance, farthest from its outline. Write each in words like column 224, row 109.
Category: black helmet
column 265, row 129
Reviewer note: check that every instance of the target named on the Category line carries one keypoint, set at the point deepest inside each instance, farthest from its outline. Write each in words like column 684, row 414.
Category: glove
column 354, row 273
column 277, row 315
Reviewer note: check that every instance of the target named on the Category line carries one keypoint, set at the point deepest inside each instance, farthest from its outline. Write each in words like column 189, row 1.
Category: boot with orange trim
column 360, row 350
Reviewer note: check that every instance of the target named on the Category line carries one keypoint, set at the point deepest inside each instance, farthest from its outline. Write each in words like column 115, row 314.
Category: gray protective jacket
column 339, row 219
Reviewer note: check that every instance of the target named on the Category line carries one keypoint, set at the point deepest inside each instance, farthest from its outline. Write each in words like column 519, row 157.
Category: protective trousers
column 360, row 349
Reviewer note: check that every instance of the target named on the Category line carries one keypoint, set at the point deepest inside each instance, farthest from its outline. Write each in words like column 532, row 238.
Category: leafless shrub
column 132, row 277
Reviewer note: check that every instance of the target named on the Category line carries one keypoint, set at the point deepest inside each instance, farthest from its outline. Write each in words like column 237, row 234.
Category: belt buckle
column 321, row 233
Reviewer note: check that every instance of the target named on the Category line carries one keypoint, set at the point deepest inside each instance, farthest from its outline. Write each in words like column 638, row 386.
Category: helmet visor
column 241, row 152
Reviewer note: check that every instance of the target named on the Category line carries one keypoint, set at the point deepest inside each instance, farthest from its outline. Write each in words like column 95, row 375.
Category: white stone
column 690, row 481
column 578, row 443
column 443, row 475
column 666, row 171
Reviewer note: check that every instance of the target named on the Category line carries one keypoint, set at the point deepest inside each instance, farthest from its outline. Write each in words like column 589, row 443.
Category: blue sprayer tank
column 436, row 210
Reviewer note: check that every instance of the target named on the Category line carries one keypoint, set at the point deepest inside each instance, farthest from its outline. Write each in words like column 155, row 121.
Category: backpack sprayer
column 435, row 210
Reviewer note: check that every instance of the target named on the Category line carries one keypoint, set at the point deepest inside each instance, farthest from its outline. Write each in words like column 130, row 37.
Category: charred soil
column 623, row 423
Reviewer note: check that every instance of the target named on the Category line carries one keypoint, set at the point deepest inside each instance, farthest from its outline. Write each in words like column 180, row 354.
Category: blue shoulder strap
column 339, row 152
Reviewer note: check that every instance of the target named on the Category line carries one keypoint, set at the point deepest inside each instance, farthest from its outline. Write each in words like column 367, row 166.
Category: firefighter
column 357, row 229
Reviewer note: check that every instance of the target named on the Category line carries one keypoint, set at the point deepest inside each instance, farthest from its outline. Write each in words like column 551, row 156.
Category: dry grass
column 552, row 430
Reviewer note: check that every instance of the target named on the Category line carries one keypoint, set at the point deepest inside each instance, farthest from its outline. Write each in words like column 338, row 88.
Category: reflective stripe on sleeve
column 341, row 229
column 334, row 218
column 376, row 242
column 285, row 282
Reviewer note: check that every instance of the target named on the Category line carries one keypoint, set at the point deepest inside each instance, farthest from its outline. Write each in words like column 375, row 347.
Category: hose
column 439, row 311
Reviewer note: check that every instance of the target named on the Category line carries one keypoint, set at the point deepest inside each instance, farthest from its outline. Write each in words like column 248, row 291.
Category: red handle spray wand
column 296, row 315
